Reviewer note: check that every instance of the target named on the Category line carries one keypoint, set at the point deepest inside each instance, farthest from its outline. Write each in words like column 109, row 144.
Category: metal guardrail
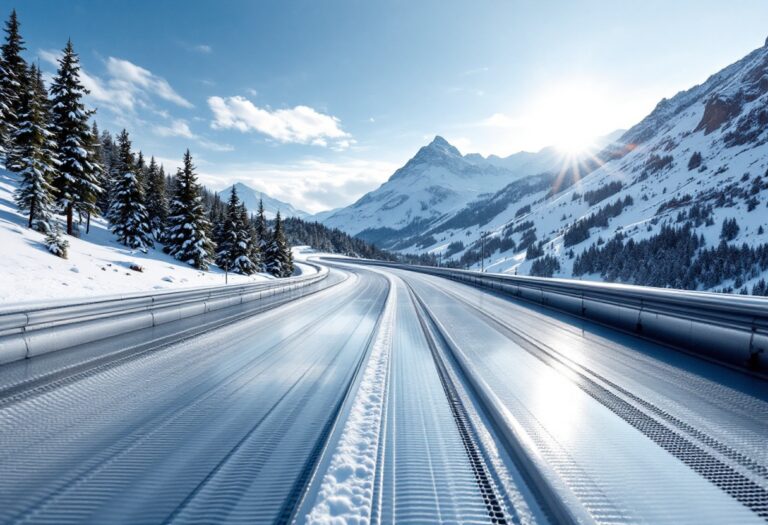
column 731, row 329
column 30, row 329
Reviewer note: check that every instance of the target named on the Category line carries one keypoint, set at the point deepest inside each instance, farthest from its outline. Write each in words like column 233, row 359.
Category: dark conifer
column 188, row 228
column 157, row 202
column 127, row 214
column 13, row 77
column 34, row 158
column 76, row 184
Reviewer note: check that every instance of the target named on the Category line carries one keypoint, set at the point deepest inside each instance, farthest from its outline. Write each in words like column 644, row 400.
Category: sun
column 574, row 114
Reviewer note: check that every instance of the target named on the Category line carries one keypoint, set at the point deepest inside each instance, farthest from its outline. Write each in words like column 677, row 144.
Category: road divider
column 28, row 330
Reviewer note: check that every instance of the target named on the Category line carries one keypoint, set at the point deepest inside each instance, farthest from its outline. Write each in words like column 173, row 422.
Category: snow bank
column 346, row 492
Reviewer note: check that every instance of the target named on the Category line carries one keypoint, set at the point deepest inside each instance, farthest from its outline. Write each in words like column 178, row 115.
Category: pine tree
column 141, row 170
column 128, row 215
column 108, row 152
column 263, row 235
column 55, row 243
column 254, row 252
column 277, row 256
column 157, row 202
column 188, row 229
column 217, row 216
column 95, row 167
column 35, row 160
column 236, row 242
column 12, row 79
column 76, row 184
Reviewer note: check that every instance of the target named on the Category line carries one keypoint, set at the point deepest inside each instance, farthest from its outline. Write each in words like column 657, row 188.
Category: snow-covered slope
column 96, row 263
column 698, row 159
column 251, row 197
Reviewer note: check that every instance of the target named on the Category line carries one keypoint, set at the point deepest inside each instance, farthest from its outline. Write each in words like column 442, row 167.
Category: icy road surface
column 385, row 397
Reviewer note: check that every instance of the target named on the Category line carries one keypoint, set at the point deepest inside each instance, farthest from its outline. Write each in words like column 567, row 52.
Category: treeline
column 333, row 240
column 65, row 165
column 676, row 257
column 579, row 231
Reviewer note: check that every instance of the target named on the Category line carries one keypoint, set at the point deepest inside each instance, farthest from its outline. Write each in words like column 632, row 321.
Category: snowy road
column 388, row 397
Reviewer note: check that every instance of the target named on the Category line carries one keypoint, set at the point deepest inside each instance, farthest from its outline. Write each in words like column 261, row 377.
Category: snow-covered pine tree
column 127, row 214
column 188, row 229
column 278, row 257
column 157, row 202
column 235, row 248
column 216, row 217
column 263, row 235
column 89, row 205
column 12, row 79
column 250, row 237
column 141, row 170
column 34, row 158
column 76, row 183
column 108, row 152
column 55, row 243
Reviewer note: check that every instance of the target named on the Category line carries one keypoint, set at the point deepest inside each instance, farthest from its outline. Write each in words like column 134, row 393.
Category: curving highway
column 385, row 396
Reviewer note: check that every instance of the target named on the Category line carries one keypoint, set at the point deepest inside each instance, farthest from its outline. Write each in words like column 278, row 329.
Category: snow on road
column 346, row 493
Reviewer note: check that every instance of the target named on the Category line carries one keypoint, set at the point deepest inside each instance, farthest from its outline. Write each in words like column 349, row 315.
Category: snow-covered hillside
column 250, row 198
column 96, row 263
column 698, row 159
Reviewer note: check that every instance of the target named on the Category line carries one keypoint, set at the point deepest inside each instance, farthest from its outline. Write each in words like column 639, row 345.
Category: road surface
column 390, row 397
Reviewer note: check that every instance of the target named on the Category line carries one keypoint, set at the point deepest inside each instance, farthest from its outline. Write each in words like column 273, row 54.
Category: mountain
column 251, row 197
column 679, row 200
column 436, row 184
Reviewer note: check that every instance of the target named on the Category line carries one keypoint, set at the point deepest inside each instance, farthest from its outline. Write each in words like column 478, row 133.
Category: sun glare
column 575, row 114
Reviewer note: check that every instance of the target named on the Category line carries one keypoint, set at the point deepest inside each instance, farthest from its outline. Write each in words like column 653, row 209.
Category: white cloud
column 301, row 124
column 133, row 79
column 177, row 128
column 252, row 92
column 309, row 184
column 126, row 86
column 500, row 120
column 204, row 49
column 180, row 128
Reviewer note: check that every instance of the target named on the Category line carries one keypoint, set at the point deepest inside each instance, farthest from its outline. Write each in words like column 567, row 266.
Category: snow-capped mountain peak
column 250, row 197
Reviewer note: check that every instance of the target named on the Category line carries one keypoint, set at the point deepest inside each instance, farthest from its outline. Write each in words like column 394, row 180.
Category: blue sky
column 317, row 102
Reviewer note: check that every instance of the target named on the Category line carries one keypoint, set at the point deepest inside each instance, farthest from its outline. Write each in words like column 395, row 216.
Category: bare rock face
column 717, row 112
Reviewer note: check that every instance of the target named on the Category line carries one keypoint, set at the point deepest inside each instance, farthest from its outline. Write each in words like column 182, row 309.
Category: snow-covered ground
column 96, row 263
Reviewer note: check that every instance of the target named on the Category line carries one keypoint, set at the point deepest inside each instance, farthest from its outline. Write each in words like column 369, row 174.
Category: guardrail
column 731, row 329
column 28, row 330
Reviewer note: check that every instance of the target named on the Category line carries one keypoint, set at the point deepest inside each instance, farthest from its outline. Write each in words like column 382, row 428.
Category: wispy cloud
column 126, row 85
column 136, row 81
column 203, row 48
column 501, row 120
column 300, row 125
column 475, row 71
column 180, row 128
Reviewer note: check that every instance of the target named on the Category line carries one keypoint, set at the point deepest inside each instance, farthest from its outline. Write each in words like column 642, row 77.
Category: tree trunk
column 31, row 214
column 69, row 219
column 88, row 223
